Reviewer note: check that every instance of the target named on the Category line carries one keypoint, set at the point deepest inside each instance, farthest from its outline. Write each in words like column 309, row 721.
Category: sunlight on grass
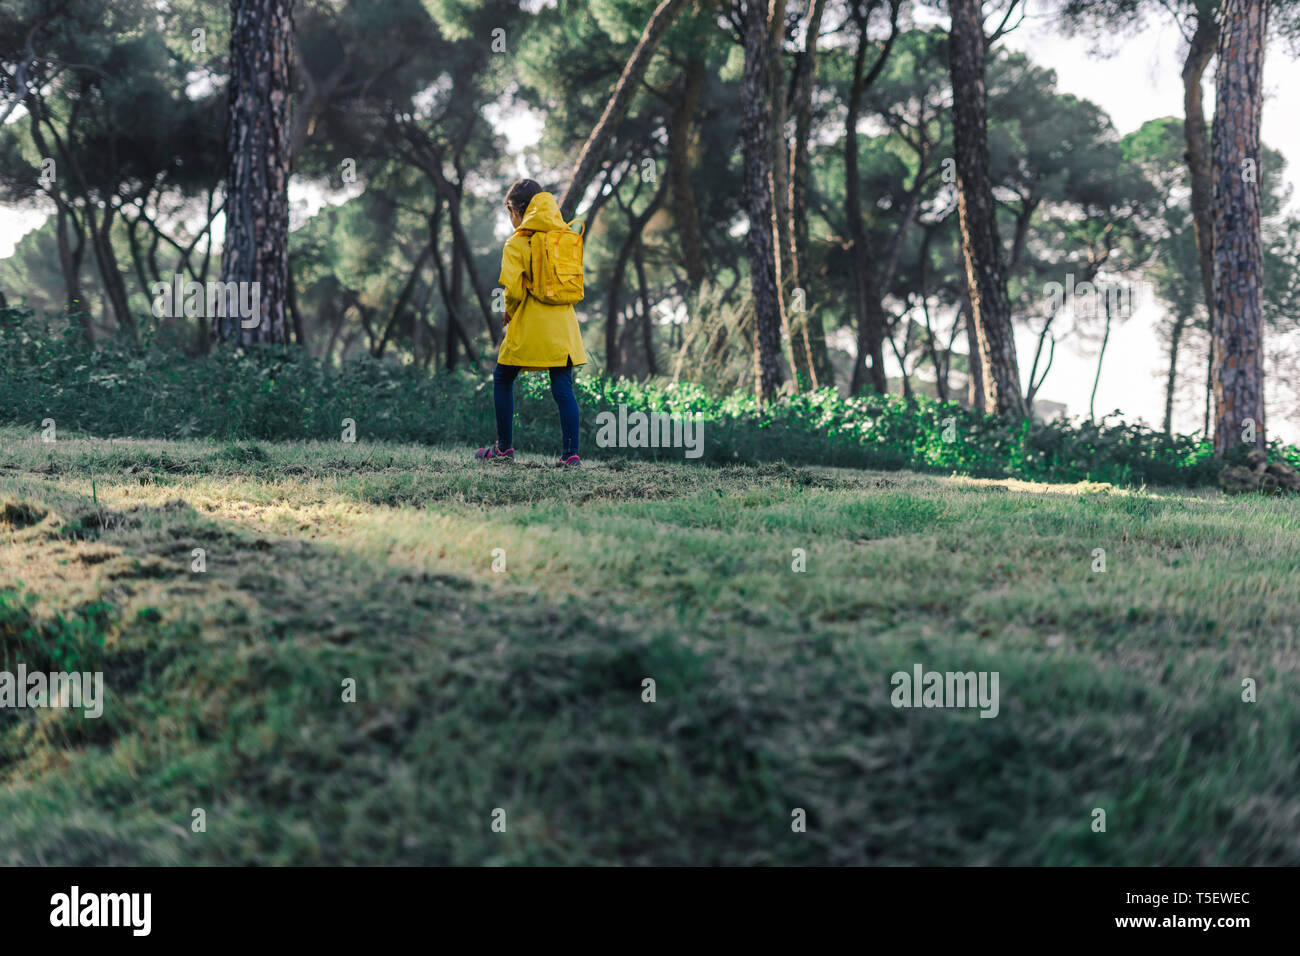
column 521, row 686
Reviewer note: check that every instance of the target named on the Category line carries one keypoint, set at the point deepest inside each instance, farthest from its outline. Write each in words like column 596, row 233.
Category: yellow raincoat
column 538, row 335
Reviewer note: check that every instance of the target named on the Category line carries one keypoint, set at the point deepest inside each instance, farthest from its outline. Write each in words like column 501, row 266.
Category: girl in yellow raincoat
column 538, row 336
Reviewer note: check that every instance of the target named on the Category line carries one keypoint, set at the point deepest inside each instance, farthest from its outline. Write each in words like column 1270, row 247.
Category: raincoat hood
column 538, row 335
column 543, row 215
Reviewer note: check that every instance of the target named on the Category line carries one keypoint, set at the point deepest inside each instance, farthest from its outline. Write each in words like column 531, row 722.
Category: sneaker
column 494, row 453
column 572, row 461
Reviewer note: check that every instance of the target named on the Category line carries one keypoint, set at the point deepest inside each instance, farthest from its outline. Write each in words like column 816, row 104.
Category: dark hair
column 521, row 193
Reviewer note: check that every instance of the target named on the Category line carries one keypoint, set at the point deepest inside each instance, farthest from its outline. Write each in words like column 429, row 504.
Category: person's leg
column 503, row 395
column 567, row 403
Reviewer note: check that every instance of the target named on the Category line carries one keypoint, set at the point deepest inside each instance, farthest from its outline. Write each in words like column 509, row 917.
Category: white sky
column 1140, row 82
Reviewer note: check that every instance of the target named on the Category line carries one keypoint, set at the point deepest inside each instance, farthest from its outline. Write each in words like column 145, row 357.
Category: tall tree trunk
column 981, row 247
column 101, row 244
column 1023, row 218
column 69, row 257
column 870, row 323
column 458, row 271
column 202, row 336
column 754, row 90
column 1171, row 380
column 809, row 338
column 452, row 297
column 1101, row 355
column 90, row 228
column 584, row 170
column 868, row 282
column 635, row 224
column 685, row 212
column 1209, row 386
column 138, row 263
column 258, row 156
column 901, row 357
column 403, row 301
column 974, row 364
column 612, row 305
column 778, row 171
column 1197, row 136
column 299, row 335
column 327, row 355
column 937, row 361
column 932, row 347
column 1238, row 256
column 647, row 324
column 70, row 264
column 452, row 193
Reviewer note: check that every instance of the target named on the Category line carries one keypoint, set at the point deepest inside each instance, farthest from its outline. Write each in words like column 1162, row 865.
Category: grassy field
column 522, row 689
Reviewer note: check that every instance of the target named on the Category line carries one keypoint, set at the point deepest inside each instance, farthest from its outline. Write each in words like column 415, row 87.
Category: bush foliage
column 154, row 391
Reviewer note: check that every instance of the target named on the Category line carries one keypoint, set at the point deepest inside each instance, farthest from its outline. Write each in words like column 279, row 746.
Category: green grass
column 522, row 690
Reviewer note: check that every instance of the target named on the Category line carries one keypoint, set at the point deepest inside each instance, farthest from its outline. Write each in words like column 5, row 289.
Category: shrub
column 117, row 390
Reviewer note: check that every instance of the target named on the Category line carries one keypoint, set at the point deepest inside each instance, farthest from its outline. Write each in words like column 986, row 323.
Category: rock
column 1277, row 478
column 1238, row 479
column 1288, row 479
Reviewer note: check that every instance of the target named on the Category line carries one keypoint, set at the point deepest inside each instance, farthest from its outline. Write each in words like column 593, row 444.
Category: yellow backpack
column 557, row 266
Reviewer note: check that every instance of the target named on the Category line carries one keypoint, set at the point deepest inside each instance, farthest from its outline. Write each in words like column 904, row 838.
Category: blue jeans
column 503, row 394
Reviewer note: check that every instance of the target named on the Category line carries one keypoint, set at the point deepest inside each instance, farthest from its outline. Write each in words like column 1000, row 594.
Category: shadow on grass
column 227, row 694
